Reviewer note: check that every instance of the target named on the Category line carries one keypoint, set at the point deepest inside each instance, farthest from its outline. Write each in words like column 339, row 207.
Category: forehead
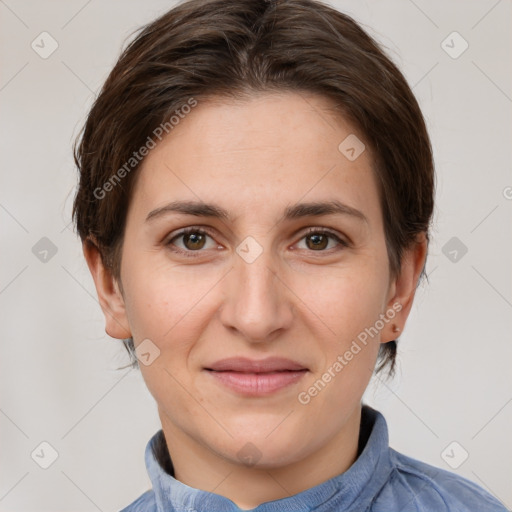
column 260, row 153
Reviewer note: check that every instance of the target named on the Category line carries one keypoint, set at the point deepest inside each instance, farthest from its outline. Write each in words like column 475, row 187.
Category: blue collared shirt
column 380, row 480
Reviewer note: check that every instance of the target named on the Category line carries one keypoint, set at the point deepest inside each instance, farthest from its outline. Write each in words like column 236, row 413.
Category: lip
column 256, row 377
column 243, row 364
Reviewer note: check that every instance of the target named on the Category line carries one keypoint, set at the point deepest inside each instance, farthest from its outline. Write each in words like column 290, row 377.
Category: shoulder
column 144, row 503
column 414, row 486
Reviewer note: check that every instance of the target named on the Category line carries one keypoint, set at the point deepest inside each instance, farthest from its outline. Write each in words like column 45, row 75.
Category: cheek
column 166, row 301
column 347, row 299
column 161, row 297
column 344, row 308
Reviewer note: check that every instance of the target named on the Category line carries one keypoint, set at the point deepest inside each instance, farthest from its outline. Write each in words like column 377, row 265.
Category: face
column 257, row 277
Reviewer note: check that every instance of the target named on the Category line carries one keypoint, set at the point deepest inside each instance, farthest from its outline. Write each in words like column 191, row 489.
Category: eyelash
column 189, row 254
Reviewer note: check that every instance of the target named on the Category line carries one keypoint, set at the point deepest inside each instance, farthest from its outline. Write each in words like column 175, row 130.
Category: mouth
column 256, row 378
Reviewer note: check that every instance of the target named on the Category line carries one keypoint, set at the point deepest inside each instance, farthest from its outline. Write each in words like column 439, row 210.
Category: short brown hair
column 235, row 48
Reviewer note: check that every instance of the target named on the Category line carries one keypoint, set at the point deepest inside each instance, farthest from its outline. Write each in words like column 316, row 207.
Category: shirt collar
column 352, row 490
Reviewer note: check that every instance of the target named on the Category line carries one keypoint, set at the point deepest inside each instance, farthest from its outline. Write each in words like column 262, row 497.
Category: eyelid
column 185, row 231
column 328, row 231
column 205, row 231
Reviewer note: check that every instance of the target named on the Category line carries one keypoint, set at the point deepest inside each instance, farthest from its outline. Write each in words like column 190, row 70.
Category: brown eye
column 318, row 241
column 194, row 240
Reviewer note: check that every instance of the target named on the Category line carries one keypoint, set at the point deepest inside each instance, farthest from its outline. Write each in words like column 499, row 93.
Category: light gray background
column 58, row 367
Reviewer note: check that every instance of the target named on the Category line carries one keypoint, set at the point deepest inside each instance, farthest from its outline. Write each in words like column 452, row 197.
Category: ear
column 403, row 287
column 109, row 294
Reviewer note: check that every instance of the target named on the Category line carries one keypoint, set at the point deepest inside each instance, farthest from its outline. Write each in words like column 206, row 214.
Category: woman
column 256, row 190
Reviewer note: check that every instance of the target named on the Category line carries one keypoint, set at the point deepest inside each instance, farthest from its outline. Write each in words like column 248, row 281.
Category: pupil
column 317, row 242
column 195, row 238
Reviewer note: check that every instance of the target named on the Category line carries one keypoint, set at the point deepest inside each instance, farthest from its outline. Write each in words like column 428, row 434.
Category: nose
column 258, row 304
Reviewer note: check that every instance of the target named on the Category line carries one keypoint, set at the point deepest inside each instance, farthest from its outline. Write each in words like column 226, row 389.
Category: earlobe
column 107, row 289
column 403, row 288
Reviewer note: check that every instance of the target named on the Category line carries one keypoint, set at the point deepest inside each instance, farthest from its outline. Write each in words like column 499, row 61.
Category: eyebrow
column 296, row 211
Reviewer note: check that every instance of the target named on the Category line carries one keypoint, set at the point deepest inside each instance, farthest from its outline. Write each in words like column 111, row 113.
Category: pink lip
column 256, row 378
column 255, row 384
column 243, row 364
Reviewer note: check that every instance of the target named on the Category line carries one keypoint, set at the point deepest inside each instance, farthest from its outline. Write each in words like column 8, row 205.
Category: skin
column 254, row 158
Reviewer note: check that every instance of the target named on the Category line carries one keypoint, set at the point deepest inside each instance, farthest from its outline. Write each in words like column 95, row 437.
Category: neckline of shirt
column 353, row 489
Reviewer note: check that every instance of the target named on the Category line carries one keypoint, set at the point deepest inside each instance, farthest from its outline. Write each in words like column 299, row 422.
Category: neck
column 248, row 487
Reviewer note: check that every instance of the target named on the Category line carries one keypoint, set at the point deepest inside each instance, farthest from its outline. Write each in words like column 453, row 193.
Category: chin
column 266, row 447
column 262, row 456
